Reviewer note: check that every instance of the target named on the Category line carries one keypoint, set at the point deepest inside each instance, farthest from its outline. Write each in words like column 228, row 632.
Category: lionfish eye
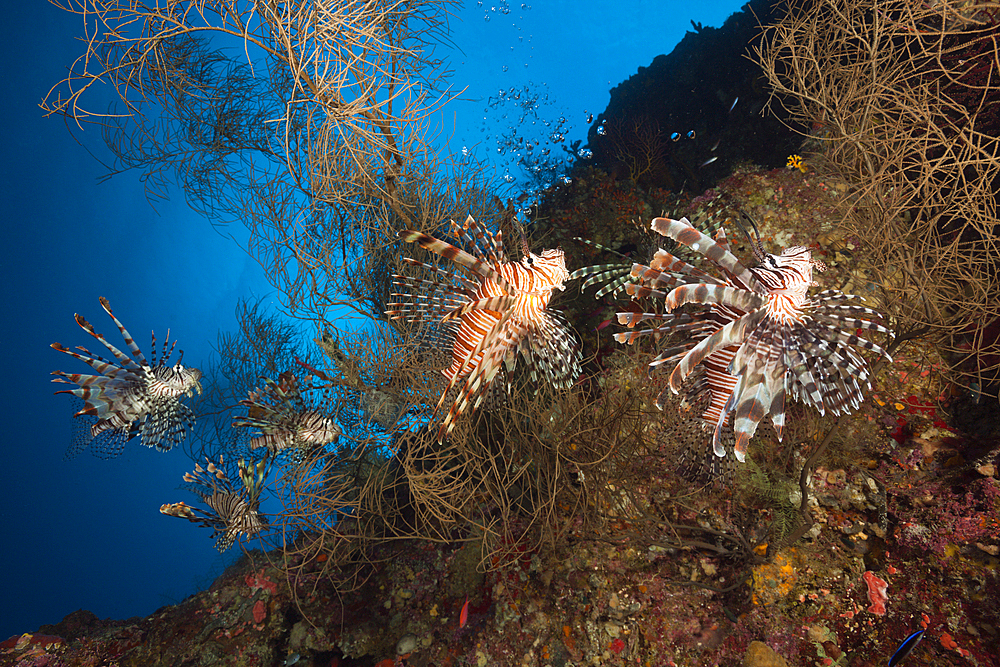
column 529, row 260
column 772, row 261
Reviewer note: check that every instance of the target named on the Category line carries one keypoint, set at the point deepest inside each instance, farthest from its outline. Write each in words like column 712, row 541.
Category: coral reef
column 554, row 529
column 898, row 500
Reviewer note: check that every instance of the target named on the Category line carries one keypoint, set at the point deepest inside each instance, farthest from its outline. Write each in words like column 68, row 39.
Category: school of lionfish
column 752, row 336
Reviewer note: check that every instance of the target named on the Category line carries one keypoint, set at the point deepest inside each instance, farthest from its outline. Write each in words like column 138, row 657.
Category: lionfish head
column 791, row 271
column 192, row 380
column 173, row 381
column 316, row 428
column 550, row 265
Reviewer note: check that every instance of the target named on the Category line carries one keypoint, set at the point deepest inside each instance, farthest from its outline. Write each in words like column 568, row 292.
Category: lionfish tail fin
column 698, row 462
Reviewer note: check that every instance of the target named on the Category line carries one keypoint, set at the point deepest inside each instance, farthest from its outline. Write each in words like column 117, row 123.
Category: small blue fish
column 709, row 161
column 906, row 648
column 733, row 105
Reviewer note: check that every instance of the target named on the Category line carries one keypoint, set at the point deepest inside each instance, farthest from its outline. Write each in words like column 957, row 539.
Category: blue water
column 87, row 533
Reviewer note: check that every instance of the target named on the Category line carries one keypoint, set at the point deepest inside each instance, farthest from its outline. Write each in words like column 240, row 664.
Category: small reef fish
column 906, row 648
column 463, row 616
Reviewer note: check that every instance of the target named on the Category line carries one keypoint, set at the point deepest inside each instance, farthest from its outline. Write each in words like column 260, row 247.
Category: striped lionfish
column 491, row 309
column 283, row 418
column 616, row 276
column 758, row 337
column 129, row 396
column 230, row 512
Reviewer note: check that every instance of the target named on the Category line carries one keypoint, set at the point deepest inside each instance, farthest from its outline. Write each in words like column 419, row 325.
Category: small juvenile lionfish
column 284, row 419
column 129, row 396
column 230, row 512
column 759, row 337
column 492, row 309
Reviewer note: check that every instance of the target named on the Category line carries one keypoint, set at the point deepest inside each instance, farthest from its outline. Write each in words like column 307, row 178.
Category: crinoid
column 490, row 309
column 130, row 396
column 753, row 334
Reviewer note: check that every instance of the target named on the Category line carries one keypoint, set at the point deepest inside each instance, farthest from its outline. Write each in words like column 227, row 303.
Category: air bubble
column 585, row 153
column 601, row 131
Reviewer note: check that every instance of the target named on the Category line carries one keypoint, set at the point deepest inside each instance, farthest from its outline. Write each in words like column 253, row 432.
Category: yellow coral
column 796, row 162
column 774, row 580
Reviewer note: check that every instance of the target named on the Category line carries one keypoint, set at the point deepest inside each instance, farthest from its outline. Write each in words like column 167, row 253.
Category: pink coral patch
column 259, row 611
column 876, row 593
column 258, row 581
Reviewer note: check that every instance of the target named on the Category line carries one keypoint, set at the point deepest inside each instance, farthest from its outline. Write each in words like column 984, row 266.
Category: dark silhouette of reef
column 694, row 88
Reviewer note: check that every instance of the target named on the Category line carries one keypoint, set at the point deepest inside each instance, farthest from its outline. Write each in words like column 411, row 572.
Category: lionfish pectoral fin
column 717, row 445
column 750, row 409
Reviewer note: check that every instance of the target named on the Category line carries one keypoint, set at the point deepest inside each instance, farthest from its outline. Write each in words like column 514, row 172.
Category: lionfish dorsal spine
column 685, row 233
column 129, row 341
column 457, row 255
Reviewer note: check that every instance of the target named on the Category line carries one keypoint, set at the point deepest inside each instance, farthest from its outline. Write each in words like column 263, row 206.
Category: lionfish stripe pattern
column 129, row 396
column 684, row 232
column 283, row 419
column 494, row 308
column 230, row 512
column 621, row 276
column 762, row 338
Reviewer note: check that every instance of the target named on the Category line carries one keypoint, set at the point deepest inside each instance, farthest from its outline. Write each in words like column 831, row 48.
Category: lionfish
column 616, row 276
column 491, row 309
column 230, row 512
column 758, row 336
column 284, row 419
column 130, row 396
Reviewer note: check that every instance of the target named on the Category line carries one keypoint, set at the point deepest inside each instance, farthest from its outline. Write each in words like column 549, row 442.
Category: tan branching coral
column 903, row 100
